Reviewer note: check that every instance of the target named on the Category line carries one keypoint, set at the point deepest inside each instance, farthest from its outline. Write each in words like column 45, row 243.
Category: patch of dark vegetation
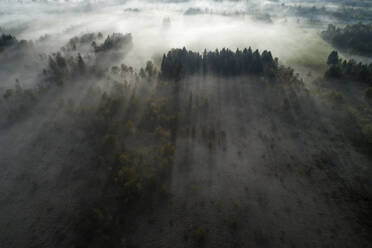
column 179, row 63
column 346, row 86
column 9, row 41
column 115, row 41
column 347, row 14
column 194, row 11
column 355, row 38
column 348, row 69
column 77, row 43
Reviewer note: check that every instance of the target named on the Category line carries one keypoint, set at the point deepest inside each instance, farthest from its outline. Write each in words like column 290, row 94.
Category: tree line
column 356, row 38
column 178, row 63
column 7, row 40
column 348, row 69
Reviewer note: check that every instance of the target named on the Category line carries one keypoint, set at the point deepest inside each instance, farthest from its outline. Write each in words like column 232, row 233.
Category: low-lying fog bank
column 160, row 26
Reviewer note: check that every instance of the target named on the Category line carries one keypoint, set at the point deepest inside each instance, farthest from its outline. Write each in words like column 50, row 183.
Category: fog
column 296, row 44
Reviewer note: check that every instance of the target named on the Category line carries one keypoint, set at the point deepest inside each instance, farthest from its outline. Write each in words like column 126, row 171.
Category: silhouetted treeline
column 355, row 38
column 7, row 40
column 86, row 39
column 317, row 13
column 348, row 69
column 114, row 42
column 179, row 63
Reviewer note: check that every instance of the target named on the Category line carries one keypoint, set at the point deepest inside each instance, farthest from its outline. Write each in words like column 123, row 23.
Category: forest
column 348, row 69
column 179, row 63
column 185, row 124
column 355, row 38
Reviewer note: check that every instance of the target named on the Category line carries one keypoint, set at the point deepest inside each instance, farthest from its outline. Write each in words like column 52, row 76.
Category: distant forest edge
column 177, row 64
column 356, row 38
column 180, row 63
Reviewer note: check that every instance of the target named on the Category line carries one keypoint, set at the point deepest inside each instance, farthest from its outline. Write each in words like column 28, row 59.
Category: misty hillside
column 185, row 123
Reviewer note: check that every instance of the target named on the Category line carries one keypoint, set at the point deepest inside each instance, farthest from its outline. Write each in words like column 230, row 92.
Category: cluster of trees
column 348, row 69
column 345, row 14
column 61, row 68
column 135, row 167
column 17, row 103
column 357, row 121
column 116, row 41
column 352, row 14
column 86, row 39
column 7, row 40
column 310, row 12
column 208, row 11
column 179, row 63
column 132, row 134
column 134, row 138
column 361, row 3
column 195, row 11
column 356, row 38
column 263, row 17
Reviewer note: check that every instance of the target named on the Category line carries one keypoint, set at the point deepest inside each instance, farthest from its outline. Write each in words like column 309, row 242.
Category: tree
column 333, row 58
column 150, row 70
column 81, row 64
